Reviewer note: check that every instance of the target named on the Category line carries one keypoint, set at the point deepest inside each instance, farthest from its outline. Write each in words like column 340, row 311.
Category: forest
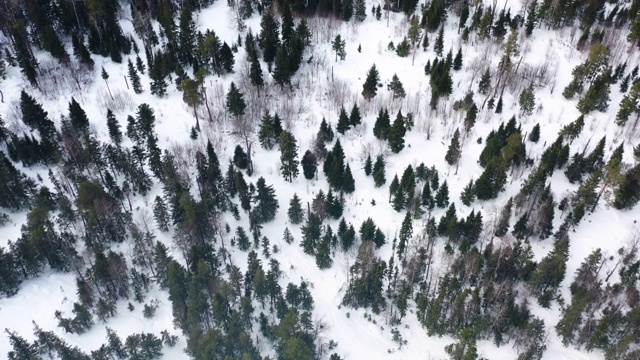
column 344, row 179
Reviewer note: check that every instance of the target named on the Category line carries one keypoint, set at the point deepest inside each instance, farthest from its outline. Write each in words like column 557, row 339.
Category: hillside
column 468, row 196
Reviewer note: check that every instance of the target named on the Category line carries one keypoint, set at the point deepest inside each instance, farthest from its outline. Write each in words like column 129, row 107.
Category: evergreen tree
column 532, row 19
column 379, row 177
column 534, row 136
column 255, row 71
column 405, row 235
column 454, row 151
column 287, row 25
column 438, row 47
column 485, row 82
column 597, row 96
column 134, row 78
column 161, row 214
column 309, row 165
column 115, row 134
column 266, row 202
column 311, row 234
column 354, row 117
column 396, row 88
column 467, row 194
column 396, row 134
column 492, row 180
column 370, row 86
column 457, row 61
column 323, row 251
column 191, row 96
column 343, row 121
column 470, row 118
column 338, row 46
column 368, row 165
column 235, row 101
column 288, row 156
column 295, row 210
column 282, row 72
column 629, row 104
column 499, row 105
column 527, row 101
column 348, row 184
column 269, row 36
column 268, row 135
column 382, row 126
column 442, row 196
column 360, row 10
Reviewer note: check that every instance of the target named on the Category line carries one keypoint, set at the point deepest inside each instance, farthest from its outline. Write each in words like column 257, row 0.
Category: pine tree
column 161, row 214
column 323, row 251
column 192, row 97
column 134, row 78
column 235, row 101
column 115, row 134
column 442, row 196
column 527, row 101
column 360, row 10
column 438, row 47
column 368, row 165
column 78, row 116
column 267, row 132
column 348, row 183
column 532, row 19
column 288, row 156
column 338, row 46
column 499, row 105
column 295, row 210
column 534, row 136
column 396, row 88
column 370, row 86
column 467, row 194
column 405, row 235
column 457, row 61
column 470, row 118
column 287, row 25
column 454, row 151
column 382, row 125
column 255, row 72
column 269, row 36
column 354, row 117
column 282, row 72
column 485, row 82
column 379, row 171
column 343, row 121
column 414, row 35
column 309, row 165
column 311, row 234
column 396, row 134
column 629, row 105
column 266, row 202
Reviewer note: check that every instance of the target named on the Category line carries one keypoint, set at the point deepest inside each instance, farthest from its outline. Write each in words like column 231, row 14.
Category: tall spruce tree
column 288, row 156
column 370, row 86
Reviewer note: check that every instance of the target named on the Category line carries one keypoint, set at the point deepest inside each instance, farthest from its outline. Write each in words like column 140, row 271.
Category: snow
column 357, row 338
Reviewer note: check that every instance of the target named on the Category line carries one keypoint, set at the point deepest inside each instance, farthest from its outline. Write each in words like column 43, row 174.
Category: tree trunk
column 195, row 113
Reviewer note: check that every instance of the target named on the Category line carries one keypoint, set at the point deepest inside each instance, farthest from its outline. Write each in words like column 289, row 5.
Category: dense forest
column 243, row 173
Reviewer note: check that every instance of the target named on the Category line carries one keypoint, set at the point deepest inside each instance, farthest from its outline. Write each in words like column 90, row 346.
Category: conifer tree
column 396, row 134
column 348, row 183
column 453, row 152
column 282, row 72
column 438, row 47
column 527, row 101
column 470, row 118
column 266, row 202
column 414, row 35
column 311, row 232
column 309, row 165
column 360, row 10
column 354, row 117
column 531, row 21
column 343, row 121
column 370, row 86
column 379, row 177
column 235, row 101
column 267, row 132
column 338, row 46
column 269, row 36
column 115, row 134
column 382, row 125
column 442, row 196
column 368, row 165
column 192, row 97
column 405, row 235
column 323, row 251
column 467, row 194
column 295, row 212
column 534, row 136
column 457, row 61
column 255, row 72
column 161, row 214
column 499, row 105
column 396, row 88
column 485, row 82
column 288, row 156
column 134, row 78
column 287, row 25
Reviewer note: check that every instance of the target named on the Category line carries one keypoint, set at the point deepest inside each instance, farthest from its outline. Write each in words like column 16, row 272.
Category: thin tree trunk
column 105, row 81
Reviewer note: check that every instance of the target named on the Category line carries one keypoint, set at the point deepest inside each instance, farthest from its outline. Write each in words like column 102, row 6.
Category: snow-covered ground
column 357, row 337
